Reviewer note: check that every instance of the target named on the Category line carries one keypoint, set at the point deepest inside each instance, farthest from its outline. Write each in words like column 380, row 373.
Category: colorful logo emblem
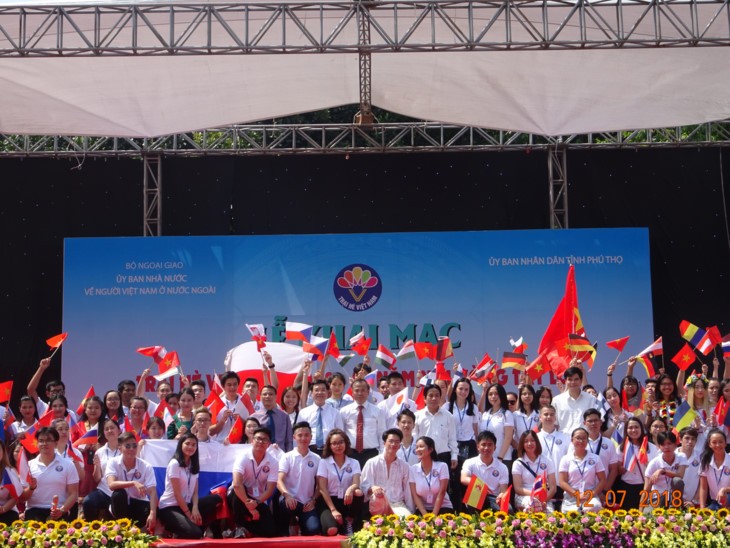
column 357, row 287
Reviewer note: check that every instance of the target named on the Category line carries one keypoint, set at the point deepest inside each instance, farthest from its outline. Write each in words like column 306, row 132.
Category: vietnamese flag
column 685, row 357
column 57, row 340
column 161, row 408
column 90, row 392
column 236, row 433
column 169, row 366
column 618, row 344
column 441, row 373
column 157, row 353
column 6, row 389
column 476, row 493
column 362, row 346
column 333, row 349
column 31, row 444
column 643, row 457
column 504, row 503
column 538, row 367
column 425, row 350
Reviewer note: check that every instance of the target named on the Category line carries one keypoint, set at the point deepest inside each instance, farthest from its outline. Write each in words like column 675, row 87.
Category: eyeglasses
column 512, row 402
column 261, row 440
column 337, row 442
column 44, row 441
column 130, row 446
column 200, row 419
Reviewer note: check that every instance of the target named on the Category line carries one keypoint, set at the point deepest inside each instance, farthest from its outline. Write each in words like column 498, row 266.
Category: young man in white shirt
column 321, row 417
column 133, row 485
column 600, row 446
column 571, row 404
column 488, row 469
column 297, row 484
column 254, row 480
column 396, row 383
column 439, row 425
column 233, row 406
column 664, row 474
column 54, row 483
column 688, row 436
column 384, row 479
column 365, row 434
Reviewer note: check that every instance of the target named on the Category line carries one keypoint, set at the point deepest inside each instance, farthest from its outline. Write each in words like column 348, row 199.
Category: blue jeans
column 308, row 521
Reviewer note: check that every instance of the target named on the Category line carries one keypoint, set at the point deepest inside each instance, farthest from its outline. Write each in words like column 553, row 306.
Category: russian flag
column 216, row 462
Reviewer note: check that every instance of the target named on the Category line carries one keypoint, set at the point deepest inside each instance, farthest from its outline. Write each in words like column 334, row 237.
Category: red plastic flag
column 157, row 353
column 236, row 433
column 441, row 373
column 161, row 408
column 504, row 503
column 538, row 367
column 643, row 457
column 6, row 389
column 169, row 366
column 362, row 346
column 31, row 444
column 214, row 404
column 685, row 357
column 618, row 344
column 57, row 340
column 715, row 335
column 247, row 403
column 333, row 349
column 425, row 350
column 90, row 392
column 129, row 428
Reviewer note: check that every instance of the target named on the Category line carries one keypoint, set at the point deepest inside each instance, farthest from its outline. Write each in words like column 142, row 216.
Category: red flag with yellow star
column 685, row 357
column 538, row 367
column 6, row 389
column 236, row 433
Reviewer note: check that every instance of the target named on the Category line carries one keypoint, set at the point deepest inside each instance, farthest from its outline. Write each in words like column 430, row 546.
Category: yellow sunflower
column 95, row 525
column 464, row 515
column 658, row 512
column 706, row 513
column 501, row 515
column 620, row 513
column 605, row 513
column 572, row 514
column 635, row 512
column 125, row 523
column 428, row 517
column 539, row 516
column 393, row 518
column 77, row 523
column 723, row 513
column 35, row 525
column 558, row 515
column 413, row 517
column 486, row 514
column 448, row 517
column 61, row 525
column 673, row 512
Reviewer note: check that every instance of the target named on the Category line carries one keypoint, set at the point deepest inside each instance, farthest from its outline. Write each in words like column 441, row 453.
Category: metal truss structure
column 152, row 185
column 334, row 26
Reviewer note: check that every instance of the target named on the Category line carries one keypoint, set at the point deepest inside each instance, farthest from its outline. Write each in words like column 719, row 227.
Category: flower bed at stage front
column 78, row 533
column 666, row 528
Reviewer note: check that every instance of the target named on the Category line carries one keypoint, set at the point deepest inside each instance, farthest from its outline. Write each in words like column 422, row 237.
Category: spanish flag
column 476, row 493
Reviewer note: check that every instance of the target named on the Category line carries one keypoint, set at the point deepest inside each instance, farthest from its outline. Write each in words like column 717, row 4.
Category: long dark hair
column 707, row 452
column 470, row 398
column 503, row 404
column 535, row 401
column 626, row 433
column 98, row 400
column 675, row 394
column 180, row 458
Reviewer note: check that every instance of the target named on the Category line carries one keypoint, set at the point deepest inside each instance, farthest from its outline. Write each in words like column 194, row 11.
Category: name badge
column 429, row 498
column 256, row 492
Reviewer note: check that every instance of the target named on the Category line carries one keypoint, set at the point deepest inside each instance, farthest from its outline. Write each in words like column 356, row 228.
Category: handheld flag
column 23, row 468
column 691, row 333
column 685, row 357
column 643, row 456
column 444, row 349
column 647, row 364
column 258, row 334
column 31, row 444
column 317, row 346
column 476, row 493
column 157, row 353
column 247, row 403
column 6, row 389
column 362, row 346
column 397, row 400
column 214, row 404
column 483, row 370
column 655, row 348
column 539, row 488
column 333, row 348
column 385, row 358
column 236, row 433
column 169, row 366
column 57, row 340
column 91, row 437
column 511, row 359
column 408, row 351
column 519, row 346
column 618, row 344
column 441, row 373
column 504, row 503
column 684, row 416
column 342, row 359
column 8, row 484
column 425, row 350
column 296, row 331
column 538, row 367
column 90, row 392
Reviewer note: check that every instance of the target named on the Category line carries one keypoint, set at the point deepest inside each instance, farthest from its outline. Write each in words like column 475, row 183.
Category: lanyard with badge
column 340, row 476
column 255, row 490
column 429, row 478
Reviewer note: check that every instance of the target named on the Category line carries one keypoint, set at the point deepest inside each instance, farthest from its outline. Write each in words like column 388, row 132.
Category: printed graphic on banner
column 469, row 293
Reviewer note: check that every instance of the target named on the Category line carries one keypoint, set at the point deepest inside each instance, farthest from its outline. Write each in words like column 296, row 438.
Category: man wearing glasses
column 254, row 481
column 133, row 485
column 202, row 420
column 54, row 483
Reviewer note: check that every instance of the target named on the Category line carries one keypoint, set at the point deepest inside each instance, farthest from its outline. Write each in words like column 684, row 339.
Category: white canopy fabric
column 550, row 92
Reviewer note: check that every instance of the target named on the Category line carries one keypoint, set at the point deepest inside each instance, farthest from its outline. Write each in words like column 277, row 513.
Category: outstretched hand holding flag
column 55, row 342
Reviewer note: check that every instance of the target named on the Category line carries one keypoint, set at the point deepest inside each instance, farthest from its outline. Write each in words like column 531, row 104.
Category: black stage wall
column 677, row 193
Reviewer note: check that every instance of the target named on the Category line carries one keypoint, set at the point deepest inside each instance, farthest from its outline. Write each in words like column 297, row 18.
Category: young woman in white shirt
column 582, row 475
column 530, row 465
column 715, row 472
column 429, row 479
column 498, row 419
column 97, row 502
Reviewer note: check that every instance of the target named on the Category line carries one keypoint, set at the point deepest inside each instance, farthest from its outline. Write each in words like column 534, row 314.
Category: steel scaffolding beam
column 242, row 28
column 152, row 192
column 263, row 139
column 558, row 183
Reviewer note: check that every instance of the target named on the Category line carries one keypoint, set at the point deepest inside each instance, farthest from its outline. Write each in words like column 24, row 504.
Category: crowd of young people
column 321, row 458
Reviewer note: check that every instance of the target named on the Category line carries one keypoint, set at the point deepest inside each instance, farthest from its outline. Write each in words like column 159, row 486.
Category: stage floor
column 281, row 542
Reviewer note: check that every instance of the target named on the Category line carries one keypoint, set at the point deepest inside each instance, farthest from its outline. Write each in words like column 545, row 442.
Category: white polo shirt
column 141, row 472
column 429, row 485
column 717, row 477
column 300, row 472
column 338, row 478
column 105, row 454
column 188, row 484
column 53, row 479
column 582, row 474
column 256, row 475
column 603, row 448
column 495, row 475
column 569, row 411
column 554, row 445
column 692, row 476
column 658, row 463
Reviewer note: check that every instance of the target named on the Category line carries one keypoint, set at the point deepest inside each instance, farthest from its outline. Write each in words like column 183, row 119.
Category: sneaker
column 240, row 532
column 348, row 527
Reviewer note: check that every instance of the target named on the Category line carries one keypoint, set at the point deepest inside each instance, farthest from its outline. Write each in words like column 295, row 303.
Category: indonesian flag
column 408, row 351
column 296, row 331
column 57, row 340
column 6, row 389
column 333, row 348
column 258, row 333
column 157, row 353
column 385, row 357
column 247, row 403
column 90, row 392
column 476, row 493
column 169, row 366
column 444, row 349
column 655, row 348
column 618, row 344
column 425, row 350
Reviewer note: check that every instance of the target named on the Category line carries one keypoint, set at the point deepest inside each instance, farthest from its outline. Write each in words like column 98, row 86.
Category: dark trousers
column 308, row 521
column 177, row 523
column 261, row 527
column 44, row 514
column 490, row 503
column 353, row 511
column 96, row 503
column 363, row 456
column 123, row 506
column 8, row 517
